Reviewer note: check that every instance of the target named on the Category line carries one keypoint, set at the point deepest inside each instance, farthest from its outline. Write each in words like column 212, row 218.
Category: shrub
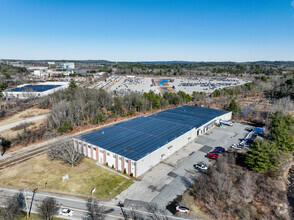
column 106, row 164
column 131, row 174
column 125, row 171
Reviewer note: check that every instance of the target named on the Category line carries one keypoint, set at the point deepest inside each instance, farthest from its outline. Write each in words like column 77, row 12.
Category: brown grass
column 11, row 133
column 82, row 178
column 29, row 113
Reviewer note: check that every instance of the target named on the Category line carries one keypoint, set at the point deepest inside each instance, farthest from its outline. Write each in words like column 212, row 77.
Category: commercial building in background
column 98, row 75
column 68, row 65
column 28, row 91
column 38, row 71
column 137, row 145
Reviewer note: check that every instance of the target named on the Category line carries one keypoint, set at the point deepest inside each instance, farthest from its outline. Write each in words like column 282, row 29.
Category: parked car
column 210, row 156
column 217, row 151
column 66, row 212
column 200, row 166
column 214, row 154
column 220, row 149
column 236, row 147
column 228, row 123
column 182, row 209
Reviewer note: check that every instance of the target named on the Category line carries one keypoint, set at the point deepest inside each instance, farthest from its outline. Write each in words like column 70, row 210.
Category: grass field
column 82, row 178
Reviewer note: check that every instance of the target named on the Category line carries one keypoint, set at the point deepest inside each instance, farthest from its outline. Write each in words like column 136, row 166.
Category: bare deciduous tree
column 13, row 207
column 95, row 211
column 247, row 187
column 65, row 152
column 48, row 208
column 134, row 215
column 285, row 105
column 156, row 213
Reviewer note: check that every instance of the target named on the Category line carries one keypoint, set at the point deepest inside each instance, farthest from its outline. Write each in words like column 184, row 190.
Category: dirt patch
column 29, row 113
column 13, row 132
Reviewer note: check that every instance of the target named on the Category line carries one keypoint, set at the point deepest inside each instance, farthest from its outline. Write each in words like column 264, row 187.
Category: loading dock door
column 89, row 152
column 85, row 149
column 101, row 156
column 80, row 148
column 94, row 153
column 119, row 164
column 133, row 168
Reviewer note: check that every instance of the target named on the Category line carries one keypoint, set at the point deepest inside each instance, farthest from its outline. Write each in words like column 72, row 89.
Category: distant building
column 28, row 91
column 15, row 63
column 39, row 71
column 98, row 75
column 61, row 73
column 68, row 65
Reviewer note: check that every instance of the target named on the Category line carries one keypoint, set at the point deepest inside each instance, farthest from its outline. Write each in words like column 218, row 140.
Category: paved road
column 4, row 127
column 78, row 205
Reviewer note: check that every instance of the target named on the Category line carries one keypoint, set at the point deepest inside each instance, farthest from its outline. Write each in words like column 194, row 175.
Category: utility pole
column 27, row 206
column 121, row 205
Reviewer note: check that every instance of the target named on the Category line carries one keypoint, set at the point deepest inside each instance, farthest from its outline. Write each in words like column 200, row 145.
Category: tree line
column 80, row 106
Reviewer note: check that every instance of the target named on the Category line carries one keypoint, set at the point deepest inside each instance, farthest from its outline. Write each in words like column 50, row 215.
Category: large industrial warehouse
column 139, row 144
column 28, row 91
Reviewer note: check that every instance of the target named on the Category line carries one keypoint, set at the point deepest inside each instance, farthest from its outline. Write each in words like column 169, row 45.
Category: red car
column 210, row 156
column 213, row 154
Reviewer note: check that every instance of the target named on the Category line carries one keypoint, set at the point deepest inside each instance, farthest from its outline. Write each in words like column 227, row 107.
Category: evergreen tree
column 281, row 131
column 264, row 157
column 72, row 85
column 234, row 107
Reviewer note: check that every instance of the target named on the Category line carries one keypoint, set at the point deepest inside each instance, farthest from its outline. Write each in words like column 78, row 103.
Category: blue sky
column 147, row 30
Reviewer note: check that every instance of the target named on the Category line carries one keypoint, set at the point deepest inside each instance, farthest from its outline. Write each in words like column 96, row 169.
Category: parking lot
column 172, row 177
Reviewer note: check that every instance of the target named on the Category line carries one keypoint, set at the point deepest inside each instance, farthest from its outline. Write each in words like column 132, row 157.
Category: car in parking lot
column 228, row 123
column 211, row 156
column 236, row 147
column 66, row 212
column 214, row 154
column 220, row 149
column 217, row 151
column 182, row 209
column 200, row 166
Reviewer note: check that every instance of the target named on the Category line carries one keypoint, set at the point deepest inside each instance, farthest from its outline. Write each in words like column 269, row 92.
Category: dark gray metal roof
column 136, row 138
column 34, row 88
column 189, row 115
